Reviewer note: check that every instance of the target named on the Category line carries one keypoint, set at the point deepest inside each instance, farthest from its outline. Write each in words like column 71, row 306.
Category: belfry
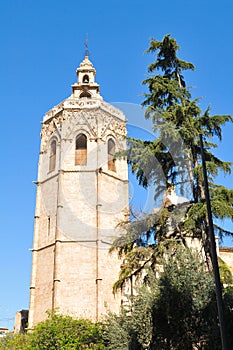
column 82, row 196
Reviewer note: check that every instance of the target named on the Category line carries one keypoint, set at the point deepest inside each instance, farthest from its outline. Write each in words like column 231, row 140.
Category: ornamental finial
column 86, row 46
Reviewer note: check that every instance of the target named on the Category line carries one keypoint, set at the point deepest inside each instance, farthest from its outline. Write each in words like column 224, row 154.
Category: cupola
column 86, row 87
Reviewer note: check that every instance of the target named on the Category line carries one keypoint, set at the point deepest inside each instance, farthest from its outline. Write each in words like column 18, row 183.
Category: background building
column 3, row 331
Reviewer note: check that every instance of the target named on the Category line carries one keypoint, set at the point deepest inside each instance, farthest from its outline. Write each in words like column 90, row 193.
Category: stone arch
column 85, row 93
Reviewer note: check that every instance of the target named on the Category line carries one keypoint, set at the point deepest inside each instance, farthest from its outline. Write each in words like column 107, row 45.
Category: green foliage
column 117, row 331
column 14, row 342
column 225, row 273
column 173, row 160
column 185, row 289
column 58, row 332
column 175, row 311
column 178, row 311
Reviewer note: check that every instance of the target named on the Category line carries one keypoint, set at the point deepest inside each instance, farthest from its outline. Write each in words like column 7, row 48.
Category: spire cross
column 86, row 46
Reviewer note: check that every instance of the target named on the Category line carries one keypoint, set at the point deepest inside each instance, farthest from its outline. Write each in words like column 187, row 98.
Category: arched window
column 52, row 157
column 111, row 154
column 81, row 150
column 85, row 79
column 85, row 94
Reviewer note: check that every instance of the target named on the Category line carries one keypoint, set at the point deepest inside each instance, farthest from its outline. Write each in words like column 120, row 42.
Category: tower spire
column 86, row 46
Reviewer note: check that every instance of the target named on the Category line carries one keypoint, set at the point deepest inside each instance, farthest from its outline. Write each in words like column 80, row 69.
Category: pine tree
column 173, row 161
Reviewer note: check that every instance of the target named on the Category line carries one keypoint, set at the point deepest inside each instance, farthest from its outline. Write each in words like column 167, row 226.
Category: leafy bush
column 58, row 332
column 14, row 342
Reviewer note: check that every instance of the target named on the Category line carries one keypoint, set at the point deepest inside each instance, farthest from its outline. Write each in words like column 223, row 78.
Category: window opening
column 111, row 155
column 81, row 150
column 52, row 158
column 86, row 79
column 85, row 94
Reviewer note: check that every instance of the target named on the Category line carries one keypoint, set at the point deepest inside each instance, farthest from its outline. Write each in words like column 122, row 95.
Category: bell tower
column 86, row 85
column 82, row 196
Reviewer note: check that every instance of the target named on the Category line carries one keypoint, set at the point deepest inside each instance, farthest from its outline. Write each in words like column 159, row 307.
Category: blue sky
column 42, row 44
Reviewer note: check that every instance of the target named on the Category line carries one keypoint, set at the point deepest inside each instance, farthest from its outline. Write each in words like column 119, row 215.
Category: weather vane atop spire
column 86, row 46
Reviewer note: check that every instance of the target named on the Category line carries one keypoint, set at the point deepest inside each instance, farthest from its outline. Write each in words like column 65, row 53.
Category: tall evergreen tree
column 173, row 161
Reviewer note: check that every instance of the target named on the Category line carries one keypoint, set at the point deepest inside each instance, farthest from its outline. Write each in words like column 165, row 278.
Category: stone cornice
column 80, row 104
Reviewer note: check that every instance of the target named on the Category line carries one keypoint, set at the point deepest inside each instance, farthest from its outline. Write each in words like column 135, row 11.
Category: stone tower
column 82, row 195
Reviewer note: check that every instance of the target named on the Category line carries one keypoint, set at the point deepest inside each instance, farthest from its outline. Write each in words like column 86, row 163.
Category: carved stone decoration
column 46, row 133
column 99, row 122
